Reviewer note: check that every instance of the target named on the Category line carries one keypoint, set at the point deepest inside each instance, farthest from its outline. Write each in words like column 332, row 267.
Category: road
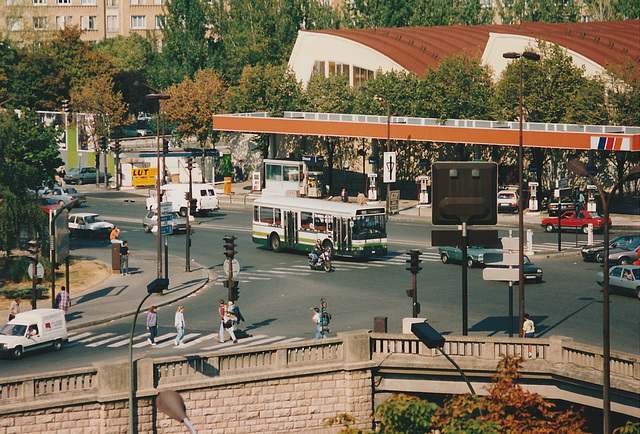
column 278, row 292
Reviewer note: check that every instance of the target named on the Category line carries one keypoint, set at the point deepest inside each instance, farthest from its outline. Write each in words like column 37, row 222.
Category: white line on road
column 173, row 341
column 229, row 343
column 104, row 341
column 93, row 338
column 79, row 336
column 126, row 341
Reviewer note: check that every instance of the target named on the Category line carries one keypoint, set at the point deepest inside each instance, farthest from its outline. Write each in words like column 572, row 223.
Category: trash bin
column 380, row 324
column 115, row 257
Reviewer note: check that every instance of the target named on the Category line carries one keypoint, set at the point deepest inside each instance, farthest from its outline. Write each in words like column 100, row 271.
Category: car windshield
column 92, row 219
column 47, row 201
column 73, row 170
column 14, row 330
column 632, row 246
column 636, row 273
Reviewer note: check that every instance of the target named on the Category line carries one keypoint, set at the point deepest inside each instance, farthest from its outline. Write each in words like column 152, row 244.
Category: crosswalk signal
column 414, row 260
column 229, row 246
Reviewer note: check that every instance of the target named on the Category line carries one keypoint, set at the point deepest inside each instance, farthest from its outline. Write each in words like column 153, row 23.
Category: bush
column 19, row 269
column 42, row 292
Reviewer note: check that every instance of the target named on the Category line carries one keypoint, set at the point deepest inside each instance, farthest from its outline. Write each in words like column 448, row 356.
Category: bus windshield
column 367, row 227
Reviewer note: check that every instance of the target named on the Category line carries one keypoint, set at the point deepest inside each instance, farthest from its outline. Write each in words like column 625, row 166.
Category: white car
column 89, row 224
column 508, row 201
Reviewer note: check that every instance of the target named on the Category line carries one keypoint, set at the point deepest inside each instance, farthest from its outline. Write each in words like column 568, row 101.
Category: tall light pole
column 578, row 167
column 531, row 56
column 386, row 101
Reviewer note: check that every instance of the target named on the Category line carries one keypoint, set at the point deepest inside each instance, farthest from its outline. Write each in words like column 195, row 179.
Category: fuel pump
column 372, row 193
column 423, row 194
column 533, row 196
column 591, row 198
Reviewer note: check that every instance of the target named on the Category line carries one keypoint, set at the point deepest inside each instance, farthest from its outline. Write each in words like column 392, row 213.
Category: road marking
column 202, row 339
column 104, row 341
column 158, row 339
column 291, row 340
column 173, row 341
column 227, row 343
column 79, row 336
column 126, row 341
column 263, row 341
column 93, row 338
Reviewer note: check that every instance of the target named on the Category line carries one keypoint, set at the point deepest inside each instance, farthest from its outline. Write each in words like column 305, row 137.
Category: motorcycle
column 323, row 262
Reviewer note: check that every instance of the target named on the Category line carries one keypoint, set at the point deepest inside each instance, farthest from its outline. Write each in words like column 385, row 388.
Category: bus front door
column 291, row 229
column 341, row 235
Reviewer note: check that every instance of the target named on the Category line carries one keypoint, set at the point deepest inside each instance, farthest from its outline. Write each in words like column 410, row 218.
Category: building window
column 39, row 23
column 138, row 22
column 338, row 69
column 88, row 23
column 63, row 22
column 137, row 2
column 88, row 2
column 158, row 2
column 112, row 3
column 63, row 2
column 39, row 2
column 360, row 76
column 160, row 21
column 14, row 24
column 318, row 68
column 112, row 23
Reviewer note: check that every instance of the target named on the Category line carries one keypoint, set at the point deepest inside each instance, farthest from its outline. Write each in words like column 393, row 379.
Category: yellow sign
column 144, row 177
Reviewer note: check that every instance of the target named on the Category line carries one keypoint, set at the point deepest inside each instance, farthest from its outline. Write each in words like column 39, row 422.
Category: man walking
column 179, row 323
column 63, row 301
column 14, row 309
column 124, row 259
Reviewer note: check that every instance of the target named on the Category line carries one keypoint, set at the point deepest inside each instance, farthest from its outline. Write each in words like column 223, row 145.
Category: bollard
column 529, row 242
column 590, row 234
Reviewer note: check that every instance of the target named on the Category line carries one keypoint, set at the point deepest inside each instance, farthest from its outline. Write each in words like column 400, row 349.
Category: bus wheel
column 274, row 242
column 326, row 245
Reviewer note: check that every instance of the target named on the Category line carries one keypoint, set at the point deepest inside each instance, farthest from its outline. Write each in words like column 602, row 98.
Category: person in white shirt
column 179, row 323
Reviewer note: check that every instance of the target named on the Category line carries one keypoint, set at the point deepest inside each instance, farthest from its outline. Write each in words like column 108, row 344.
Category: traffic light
column 193, row 206
column 157, row 286
column 229, row 245
column 33, row 248
column 116, row 147
column 65, row 106
column 232, row 286
column 189, row 163
column 414, row 261
column 103, row 143
column 165, row 146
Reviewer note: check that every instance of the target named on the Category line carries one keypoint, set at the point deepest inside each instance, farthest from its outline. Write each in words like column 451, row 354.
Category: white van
column 32, row 330
column 204, row 194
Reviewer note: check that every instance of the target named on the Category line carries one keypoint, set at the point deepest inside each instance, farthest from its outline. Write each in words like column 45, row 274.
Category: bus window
column 256, row 214
column 306, row 220
column 274, row 172
column 320, row 222
column 371, row 226
column 266, row 215
column 277, row 217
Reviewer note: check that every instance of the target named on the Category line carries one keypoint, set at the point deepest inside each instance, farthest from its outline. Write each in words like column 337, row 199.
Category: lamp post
column 578, row 167
column 531, row 56
column 386, row 101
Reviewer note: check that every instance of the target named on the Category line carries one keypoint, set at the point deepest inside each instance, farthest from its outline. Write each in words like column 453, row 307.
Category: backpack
column 325, row 320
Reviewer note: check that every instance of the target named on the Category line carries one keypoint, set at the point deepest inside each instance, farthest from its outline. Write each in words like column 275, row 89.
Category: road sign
column 235, row 267
column 166, row 230
column 141, row 177
column 501, row 274
column 39, row 271
column 389, row 167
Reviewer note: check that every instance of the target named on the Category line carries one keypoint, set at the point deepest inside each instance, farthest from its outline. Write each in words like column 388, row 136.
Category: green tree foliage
column 406, row 414
column 189, row 41
column 100, row 97
column 133, row 53
column 322, row 15
column 548, row 11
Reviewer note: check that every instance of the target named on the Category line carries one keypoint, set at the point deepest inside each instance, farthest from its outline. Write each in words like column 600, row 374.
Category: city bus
column 295, row 223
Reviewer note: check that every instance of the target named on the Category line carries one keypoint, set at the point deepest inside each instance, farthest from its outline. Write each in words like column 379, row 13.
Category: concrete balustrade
column 297, row 386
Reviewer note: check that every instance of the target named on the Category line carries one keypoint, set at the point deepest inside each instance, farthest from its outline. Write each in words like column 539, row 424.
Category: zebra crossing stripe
column 104, row 341
column 227, row 343
column 173, row 341
column 159, row 339
column 93, row 338
column 264, row 341
column 291, row 340
column 78, row 336
column 126, row 341
column 201, row 339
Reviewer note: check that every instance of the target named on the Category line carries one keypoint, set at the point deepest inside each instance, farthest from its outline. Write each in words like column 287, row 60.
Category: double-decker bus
column 296, row 223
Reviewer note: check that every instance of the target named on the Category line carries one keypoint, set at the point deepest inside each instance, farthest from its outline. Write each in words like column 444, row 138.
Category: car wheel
column 57, row 345
column 600, row 257
column 445, row 258
column 17, row 352
column 624, row 261
column 585, row 229
column 638, row 292
column 61, row 202
column 274, row 242
column 80, row 181
column 549, row 227
column 147, row 229
column 470, row 262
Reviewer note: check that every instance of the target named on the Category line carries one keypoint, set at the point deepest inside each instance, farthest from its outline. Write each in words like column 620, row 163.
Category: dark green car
column 476, row 256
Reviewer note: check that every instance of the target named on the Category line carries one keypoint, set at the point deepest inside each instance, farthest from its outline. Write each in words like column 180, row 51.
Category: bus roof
column 317, row 205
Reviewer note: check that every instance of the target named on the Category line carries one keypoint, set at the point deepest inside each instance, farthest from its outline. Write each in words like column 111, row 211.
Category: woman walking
column 152, row 325
column 179, row 323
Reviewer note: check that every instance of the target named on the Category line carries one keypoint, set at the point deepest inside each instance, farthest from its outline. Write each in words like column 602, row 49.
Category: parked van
column 33, row 330
column 204, row 194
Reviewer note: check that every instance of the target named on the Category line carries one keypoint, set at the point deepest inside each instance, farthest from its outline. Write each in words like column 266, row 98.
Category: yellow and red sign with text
column 144, row 177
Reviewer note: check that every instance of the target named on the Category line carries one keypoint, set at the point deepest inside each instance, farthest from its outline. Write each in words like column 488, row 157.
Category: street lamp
column 577, row 167
column 386, row 101
column 531, row 56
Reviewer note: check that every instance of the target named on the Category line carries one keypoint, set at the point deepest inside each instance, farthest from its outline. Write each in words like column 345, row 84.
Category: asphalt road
column 278, row 290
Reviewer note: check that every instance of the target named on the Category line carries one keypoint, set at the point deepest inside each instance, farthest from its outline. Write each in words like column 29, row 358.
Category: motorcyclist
column 317, row 251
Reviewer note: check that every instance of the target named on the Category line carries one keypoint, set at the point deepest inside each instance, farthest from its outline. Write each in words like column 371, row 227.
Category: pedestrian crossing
column 194, row 339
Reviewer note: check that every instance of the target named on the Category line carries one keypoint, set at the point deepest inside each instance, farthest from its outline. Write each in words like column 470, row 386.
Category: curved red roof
column 417, row 48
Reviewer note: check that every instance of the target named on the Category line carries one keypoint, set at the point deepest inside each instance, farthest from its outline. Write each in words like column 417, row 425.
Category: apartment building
column 32, row 20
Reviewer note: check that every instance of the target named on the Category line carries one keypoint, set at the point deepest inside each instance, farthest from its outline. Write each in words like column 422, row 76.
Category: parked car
column 508, row 201
column 476, row 256
column 531, row 272
column 564, row 204
column 623, row 256
column 89, row 224
column 64, row 195
column 589, row 253
column 83, row 175
column 624, row 278
column 572, row 220
column 150, row 220
column 47, row 204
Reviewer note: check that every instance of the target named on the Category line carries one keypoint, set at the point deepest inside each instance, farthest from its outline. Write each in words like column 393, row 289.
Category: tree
column 100, row 97
column 548, row 11
column 133, row 53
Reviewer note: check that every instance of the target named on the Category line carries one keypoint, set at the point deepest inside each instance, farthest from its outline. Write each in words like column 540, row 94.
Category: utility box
column 115, row 256
column 380, row 324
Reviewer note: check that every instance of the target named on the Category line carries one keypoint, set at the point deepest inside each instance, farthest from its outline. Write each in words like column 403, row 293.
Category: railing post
column 281, row 357
column 146, row 374
column 356, row 346
column 112, row 378
column 556, row 348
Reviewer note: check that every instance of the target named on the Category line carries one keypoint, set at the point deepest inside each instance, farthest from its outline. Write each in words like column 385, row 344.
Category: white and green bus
column 295, row 223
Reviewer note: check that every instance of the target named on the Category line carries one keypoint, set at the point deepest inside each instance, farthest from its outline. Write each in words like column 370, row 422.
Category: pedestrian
column 61, row 174
column 114, row 234
column 179, row 323
column 225, row 322
column 152, row 325
column 317, row 319
column 124, row 259
column 63, row 301
column 344, row 196
column 14, row 309
column 528, row 329
column 235, row 311
column 239, row 175
column 361, row 199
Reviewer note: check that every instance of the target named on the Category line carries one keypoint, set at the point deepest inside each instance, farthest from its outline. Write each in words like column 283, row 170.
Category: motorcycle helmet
column 318, row 243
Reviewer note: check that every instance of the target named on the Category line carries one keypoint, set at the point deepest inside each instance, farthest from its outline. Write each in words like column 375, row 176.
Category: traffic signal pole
column 230, row 284
column 414, row 262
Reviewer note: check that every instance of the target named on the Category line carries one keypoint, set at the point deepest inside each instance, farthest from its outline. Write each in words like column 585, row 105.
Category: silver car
column 150, row 221
column 622, row 256
column 590, row 253
column 623, row 278
column 64, row 195
column 89, row 224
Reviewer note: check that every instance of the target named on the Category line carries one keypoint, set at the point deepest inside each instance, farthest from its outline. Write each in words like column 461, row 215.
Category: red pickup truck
column 575, row 220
